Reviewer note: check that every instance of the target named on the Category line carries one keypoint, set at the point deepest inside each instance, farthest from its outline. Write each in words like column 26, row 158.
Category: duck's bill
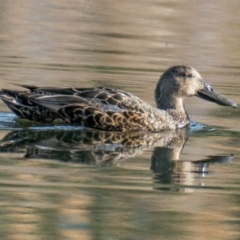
column 209, row 94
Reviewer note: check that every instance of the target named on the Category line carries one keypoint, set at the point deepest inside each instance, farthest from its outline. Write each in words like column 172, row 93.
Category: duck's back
column 101, row 108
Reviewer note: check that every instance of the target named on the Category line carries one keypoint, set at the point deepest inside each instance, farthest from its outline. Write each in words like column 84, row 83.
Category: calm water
column 66, row 183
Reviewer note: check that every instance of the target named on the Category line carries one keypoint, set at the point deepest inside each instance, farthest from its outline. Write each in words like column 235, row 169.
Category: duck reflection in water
column 107, row 148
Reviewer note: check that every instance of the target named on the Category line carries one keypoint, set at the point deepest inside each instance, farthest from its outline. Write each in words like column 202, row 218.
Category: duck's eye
column 182, row 74
column 190, row 75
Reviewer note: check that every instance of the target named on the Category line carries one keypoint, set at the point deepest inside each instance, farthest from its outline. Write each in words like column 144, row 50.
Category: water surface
column 74, row 183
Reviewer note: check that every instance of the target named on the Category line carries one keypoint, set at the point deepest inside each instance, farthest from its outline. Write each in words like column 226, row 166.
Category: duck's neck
column 168, row 102
column 174, row 106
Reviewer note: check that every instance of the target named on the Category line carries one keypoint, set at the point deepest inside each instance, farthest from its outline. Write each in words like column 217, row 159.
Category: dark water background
column 61, row 183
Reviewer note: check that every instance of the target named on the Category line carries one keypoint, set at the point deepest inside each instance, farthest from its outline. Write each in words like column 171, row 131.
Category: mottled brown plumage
column 115, row 110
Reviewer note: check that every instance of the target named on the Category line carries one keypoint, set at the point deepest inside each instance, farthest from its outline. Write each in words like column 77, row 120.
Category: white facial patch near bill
column 209, row 88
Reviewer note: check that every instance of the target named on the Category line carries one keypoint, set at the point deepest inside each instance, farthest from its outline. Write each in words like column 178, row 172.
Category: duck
column 110, row 109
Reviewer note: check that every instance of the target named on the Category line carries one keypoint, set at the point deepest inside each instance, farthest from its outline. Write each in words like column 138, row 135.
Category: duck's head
column 178, row 82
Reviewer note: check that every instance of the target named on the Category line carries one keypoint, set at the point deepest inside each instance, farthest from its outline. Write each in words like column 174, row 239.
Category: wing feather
column 102, row 108
column 108, row 96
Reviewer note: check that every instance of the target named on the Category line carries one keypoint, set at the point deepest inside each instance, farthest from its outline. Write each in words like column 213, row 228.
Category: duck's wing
column 19, row 102
column 102, row 108
column 49, row 90
column 107, row 96
column 116, row 113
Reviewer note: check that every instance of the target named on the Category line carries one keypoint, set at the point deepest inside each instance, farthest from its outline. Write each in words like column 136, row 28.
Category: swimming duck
column 115, row 110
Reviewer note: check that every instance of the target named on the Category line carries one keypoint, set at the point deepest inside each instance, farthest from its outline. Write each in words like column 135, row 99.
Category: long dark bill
column 207, row 93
